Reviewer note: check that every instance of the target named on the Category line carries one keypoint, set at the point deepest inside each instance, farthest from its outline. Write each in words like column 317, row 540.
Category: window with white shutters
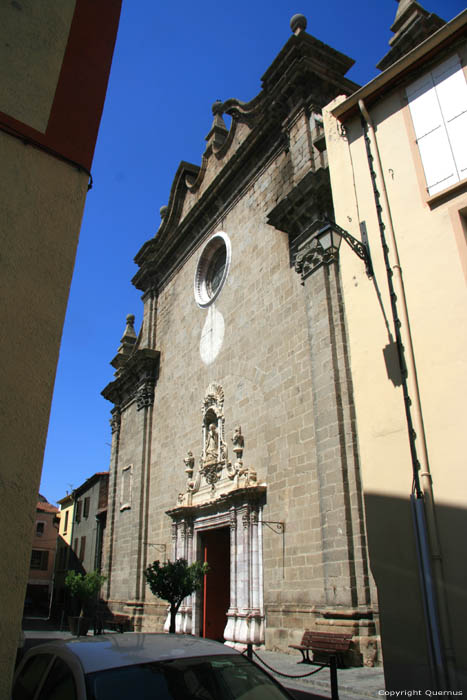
column 438, row 106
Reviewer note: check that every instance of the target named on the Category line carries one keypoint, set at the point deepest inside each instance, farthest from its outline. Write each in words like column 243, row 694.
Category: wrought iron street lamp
column 324, row 248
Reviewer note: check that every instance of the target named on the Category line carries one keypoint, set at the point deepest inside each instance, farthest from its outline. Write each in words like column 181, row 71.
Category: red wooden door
column 216, row 593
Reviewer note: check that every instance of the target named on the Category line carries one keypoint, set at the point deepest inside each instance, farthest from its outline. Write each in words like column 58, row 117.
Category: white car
column 143, row 667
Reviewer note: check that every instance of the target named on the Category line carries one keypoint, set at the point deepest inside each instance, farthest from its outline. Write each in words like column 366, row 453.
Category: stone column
column 243, row 576
column 115, row 423
column 344, row 555
column 230, row 629
column 144, row 407
column 186, row 610
column 255, row 614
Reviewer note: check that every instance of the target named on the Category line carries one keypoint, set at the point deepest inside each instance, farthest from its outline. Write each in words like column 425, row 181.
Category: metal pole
column 333, row 673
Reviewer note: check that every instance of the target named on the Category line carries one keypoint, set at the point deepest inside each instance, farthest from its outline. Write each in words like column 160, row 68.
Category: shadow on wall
column 393, row 558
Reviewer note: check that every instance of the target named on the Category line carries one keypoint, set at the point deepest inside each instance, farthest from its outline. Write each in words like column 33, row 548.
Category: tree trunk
column 173, row 615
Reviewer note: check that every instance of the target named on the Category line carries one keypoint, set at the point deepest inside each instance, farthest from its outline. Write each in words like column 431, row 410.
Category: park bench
column 323, row 645
column 113, row 621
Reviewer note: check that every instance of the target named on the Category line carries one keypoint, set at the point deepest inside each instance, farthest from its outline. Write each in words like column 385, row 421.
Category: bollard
column 249, row 651
column 333, row 672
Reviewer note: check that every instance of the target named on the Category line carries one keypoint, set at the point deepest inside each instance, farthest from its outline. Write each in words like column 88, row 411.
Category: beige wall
column 47, row 116
column 432, row 249
column 41, row 202
column 30, row 64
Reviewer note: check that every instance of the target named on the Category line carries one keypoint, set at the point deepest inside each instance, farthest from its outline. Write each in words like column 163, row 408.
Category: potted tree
column 173, row 581
column 84, row 588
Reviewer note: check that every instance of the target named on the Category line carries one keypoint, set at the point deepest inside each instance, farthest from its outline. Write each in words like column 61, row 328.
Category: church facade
column 234, row 437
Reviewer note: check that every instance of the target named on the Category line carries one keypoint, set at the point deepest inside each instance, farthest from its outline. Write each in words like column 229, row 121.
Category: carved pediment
column 306, row 72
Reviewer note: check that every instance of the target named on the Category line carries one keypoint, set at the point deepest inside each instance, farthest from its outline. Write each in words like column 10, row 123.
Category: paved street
column 354, row 683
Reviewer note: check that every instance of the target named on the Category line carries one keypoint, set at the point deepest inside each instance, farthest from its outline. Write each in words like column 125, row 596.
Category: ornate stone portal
column 220, row 494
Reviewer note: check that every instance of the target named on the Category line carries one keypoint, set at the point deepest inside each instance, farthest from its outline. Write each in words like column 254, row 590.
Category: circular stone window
column 213, row 267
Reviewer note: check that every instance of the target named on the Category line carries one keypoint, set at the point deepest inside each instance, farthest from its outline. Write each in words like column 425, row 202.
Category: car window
column 141, row 682
column 30, row 677
column 232, row 677
column 59, row 684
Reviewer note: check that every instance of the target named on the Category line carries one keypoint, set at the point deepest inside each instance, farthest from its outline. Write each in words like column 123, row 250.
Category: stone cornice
column 310, row 199
column 250, row 494
column 135, row 380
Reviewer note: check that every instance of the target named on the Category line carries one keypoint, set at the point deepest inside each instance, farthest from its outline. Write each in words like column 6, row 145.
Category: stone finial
column 163, row 210
column 129, row 335
column 218, row 132
column 412, row 25
column 298, row 24
column 217, row 107
column 127, row 344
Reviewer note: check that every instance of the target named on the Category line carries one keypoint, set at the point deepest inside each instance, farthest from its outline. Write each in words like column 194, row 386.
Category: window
column 82, row 549
column 125, row 493
column 40, row 527
column 75, row 548
column 86, row 507
column 438, row 106
column 39, row 559
column 204, row 677
column 212, row 269
column 79, row 505
column 65, row 526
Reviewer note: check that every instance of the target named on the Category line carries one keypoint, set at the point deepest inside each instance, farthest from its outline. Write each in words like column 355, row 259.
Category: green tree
column 84, row 586
column 174, row 581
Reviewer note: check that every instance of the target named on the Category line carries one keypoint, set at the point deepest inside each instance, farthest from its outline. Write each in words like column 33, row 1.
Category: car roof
column 130, row 648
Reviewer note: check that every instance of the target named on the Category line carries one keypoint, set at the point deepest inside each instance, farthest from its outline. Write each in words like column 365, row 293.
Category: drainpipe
column 422, row 499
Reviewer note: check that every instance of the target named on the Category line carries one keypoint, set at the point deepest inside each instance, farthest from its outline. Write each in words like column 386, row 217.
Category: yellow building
column 398, row 162
column 67, row 506
column 54, row 65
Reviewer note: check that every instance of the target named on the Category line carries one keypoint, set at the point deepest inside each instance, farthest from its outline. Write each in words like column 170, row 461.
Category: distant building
column 55, row 62
column 89, row 521
column 41, row 567
column 82, row 528
column 65, row 558
column 397, row 152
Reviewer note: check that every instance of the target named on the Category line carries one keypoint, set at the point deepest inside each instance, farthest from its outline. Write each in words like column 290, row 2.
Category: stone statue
column 237, row 438
column 212, row 444
column 189, row 462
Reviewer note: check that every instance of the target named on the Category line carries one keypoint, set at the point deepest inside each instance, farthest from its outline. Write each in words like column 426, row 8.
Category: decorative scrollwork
column 145, row 395
column 115, row 421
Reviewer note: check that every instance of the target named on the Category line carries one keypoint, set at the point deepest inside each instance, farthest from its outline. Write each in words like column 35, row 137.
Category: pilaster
column 345, row 563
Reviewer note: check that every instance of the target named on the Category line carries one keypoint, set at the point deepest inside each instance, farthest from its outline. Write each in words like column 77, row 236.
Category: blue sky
column 171, row 62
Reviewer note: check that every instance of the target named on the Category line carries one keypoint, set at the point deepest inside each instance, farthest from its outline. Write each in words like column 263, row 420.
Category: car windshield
column 203, row 678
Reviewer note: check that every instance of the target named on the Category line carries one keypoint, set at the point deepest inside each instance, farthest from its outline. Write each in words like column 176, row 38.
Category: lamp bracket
column 357, row 246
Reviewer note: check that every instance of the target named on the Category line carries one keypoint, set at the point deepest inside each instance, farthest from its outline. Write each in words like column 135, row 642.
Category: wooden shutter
column 451, row 90
column 430, row 132
column 82, row 549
